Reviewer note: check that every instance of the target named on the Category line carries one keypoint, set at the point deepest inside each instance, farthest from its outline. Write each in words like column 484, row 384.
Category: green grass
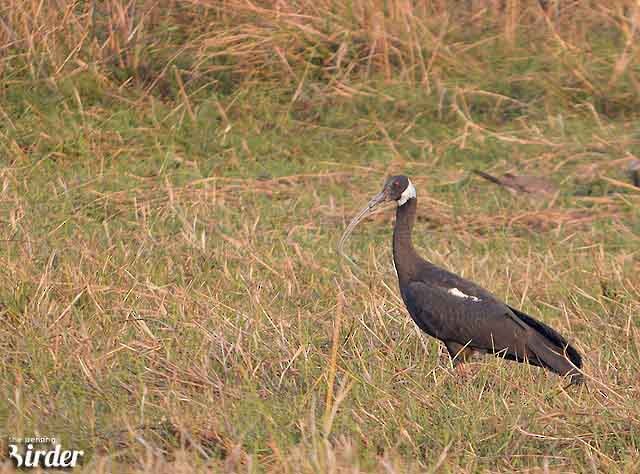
column 169, row 285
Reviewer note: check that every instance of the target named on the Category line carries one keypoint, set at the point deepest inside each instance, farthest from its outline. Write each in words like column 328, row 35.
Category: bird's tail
column 551, row 349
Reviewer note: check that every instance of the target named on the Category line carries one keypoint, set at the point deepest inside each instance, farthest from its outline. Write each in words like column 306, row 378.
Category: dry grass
column 174, row 178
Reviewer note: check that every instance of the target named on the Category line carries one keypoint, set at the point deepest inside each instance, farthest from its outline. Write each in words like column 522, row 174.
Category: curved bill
column 380, row 197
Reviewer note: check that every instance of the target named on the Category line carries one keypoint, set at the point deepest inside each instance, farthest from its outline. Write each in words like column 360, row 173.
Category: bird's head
column 396, row 188
column 399, row 189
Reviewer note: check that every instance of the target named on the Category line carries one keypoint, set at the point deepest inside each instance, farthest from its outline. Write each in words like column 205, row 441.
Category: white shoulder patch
column 460, row 294
column 407, row 194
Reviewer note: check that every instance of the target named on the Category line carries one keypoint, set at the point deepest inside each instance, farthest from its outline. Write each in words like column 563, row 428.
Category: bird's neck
column 404, row 256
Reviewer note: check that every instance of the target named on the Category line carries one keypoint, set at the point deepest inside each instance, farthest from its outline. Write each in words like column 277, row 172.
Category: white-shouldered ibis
column 634, row 172
column 521, row 183
column 465, row 317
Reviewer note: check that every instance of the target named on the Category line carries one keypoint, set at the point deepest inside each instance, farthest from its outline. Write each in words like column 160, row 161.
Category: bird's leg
column 459, row 355
column 464, row 371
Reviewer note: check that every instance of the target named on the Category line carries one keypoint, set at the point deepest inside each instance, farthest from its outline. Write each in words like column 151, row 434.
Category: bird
column 521, row 183
column 634, row 172
column 468, row 319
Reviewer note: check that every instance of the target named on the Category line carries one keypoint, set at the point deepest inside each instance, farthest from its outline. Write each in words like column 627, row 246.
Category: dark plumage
column 464, row 316
column 521, row 183
column 634, row 172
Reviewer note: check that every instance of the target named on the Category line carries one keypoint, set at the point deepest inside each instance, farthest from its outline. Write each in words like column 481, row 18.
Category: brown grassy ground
column 174, row 179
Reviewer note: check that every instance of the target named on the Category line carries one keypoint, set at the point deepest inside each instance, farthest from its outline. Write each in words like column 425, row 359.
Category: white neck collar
column 409, row 193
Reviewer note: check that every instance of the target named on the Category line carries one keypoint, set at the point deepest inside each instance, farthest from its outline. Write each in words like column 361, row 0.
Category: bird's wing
column 489, row 177
column 449, row 314
column 484, row 323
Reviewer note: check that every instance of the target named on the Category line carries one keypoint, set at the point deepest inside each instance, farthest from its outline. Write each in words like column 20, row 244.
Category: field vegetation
column 174, row 179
